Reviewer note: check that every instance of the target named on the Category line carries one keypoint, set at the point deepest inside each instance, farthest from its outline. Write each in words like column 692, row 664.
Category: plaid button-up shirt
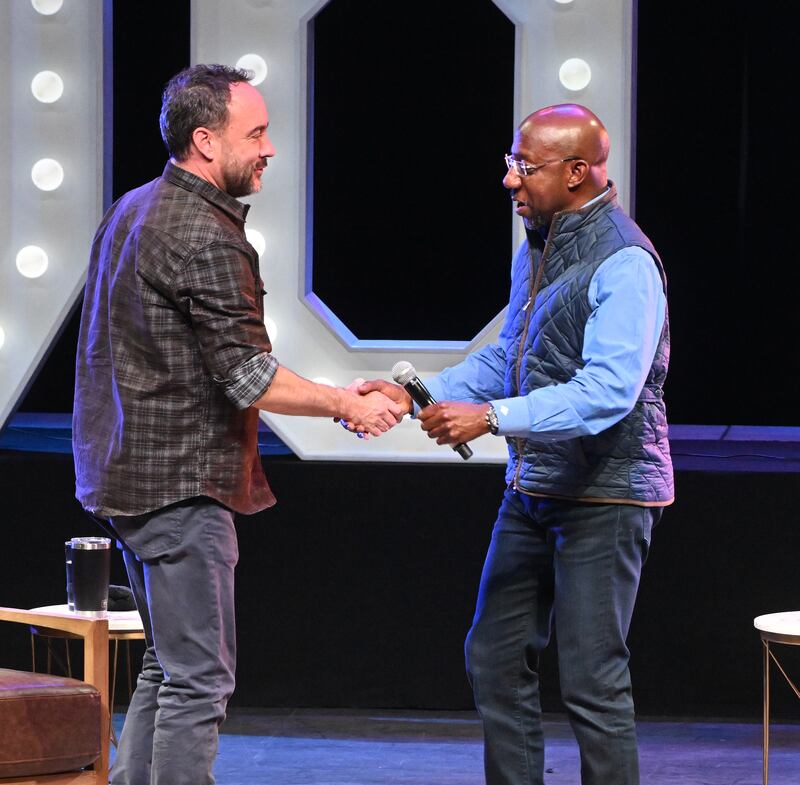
column 172, row 354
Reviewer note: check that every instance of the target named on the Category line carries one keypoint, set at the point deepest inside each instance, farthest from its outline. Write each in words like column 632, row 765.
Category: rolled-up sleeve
column 221, row 292
column 249, row 381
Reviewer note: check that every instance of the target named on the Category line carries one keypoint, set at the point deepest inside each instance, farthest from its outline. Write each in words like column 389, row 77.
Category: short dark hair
column 196, row 97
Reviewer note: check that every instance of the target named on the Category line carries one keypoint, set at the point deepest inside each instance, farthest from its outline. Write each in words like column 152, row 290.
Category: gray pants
column 180, row 563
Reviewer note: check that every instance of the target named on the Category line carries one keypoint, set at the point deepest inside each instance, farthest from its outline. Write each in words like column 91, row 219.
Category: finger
column 428, row 411
column 432, row 424
column 370, row 386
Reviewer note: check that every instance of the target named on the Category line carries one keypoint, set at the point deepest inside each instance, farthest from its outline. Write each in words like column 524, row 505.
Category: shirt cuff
column 249, row 380
column 513, row 416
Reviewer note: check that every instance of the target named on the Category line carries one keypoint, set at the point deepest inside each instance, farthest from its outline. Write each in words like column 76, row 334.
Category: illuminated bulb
column 575, row 74
column 256, row 239
column 47, row 174
column 31, row 261
column 47, row 87
column 272, row 328
column 563, row 2
column 2, row 337
column 256, row 64
column 323, row 380
column 47, row 7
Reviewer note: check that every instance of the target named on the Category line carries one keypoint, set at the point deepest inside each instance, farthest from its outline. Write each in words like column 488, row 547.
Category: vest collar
column 570, row 221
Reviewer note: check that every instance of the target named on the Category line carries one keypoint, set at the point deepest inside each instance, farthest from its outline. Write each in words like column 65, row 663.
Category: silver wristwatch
column 491, row 420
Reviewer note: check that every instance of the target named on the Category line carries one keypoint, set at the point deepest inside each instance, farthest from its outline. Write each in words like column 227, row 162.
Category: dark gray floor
column 319, row 747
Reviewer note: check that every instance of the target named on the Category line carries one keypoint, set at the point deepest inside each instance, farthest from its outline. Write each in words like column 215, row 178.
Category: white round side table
column 782, row 628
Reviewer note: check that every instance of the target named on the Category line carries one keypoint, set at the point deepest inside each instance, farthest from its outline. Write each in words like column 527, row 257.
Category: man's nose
column 512, row 180
column 267, row 148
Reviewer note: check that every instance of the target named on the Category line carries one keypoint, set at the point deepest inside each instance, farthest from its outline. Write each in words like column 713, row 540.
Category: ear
column 577, row 172
column 205, row 142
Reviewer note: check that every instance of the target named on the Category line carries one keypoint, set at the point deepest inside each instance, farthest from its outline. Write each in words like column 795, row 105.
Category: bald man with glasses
column 575, row 386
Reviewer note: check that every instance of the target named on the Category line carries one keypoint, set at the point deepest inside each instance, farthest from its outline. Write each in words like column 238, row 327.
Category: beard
column 239, row 178
column 536, row 222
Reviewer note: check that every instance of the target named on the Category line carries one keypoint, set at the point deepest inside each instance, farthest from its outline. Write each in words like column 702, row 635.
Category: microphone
column 405, row 374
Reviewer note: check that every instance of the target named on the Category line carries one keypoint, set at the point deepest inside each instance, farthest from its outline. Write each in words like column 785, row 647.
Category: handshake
column 376, row 406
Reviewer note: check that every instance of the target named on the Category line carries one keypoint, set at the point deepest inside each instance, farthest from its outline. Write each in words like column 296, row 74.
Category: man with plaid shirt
column 173, row 363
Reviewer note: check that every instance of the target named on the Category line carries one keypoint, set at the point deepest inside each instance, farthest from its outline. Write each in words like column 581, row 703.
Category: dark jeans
column 579, row 566
column 180, row 563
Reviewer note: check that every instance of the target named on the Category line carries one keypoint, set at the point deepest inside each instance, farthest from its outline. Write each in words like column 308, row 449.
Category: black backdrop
column 360, row 593
column 367, row 605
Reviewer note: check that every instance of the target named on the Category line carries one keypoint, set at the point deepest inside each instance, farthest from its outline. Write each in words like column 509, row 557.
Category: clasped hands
column 449, row 422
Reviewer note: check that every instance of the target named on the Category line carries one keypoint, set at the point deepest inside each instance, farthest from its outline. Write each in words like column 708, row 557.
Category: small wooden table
column 122, row 626
column 783, row 628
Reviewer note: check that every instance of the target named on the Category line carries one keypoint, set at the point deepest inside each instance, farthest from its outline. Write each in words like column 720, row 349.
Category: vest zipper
column 536, row 283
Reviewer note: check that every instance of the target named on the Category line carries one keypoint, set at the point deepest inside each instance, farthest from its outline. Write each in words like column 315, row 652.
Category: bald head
column 570, row 130
column 566, row 148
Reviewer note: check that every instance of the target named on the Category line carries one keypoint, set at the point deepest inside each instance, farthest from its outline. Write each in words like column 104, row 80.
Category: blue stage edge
column 715, row 448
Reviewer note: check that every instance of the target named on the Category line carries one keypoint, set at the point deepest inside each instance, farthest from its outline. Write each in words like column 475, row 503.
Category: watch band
column 491, row 420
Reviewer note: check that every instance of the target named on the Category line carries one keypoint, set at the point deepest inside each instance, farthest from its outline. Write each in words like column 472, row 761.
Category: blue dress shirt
column 620, row 341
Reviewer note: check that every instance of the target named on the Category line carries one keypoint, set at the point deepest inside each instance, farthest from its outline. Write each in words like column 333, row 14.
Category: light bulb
column 256, row 239
column 47, row 87
column 47, row 174
column 47, row 7
column 256, row 64
column 575, row 74
column 272, row 329
column 323, row 380
column 2, row 337
column 32, row 261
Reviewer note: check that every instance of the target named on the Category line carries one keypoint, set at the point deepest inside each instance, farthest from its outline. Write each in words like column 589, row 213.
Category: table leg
column 766, row 712
column 130, row 676
column 113, row 692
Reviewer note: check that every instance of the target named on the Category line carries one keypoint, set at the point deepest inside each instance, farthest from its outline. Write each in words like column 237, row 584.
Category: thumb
column 371, row 386
column 355, row 384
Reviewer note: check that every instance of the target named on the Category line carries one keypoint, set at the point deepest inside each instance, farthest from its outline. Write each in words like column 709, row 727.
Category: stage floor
column 357, row 747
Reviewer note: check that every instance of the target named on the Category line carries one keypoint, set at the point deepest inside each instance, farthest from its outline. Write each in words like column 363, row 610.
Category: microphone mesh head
column 403, row 372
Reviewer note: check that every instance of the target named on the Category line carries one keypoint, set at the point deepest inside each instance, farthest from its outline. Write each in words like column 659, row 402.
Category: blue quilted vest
column 629, row 462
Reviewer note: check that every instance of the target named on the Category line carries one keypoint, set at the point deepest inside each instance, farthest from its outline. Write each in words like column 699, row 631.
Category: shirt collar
column 596, row 198
column 191, row 182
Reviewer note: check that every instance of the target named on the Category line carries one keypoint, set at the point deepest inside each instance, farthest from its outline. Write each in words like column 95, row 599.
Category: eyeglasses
column 523, row 168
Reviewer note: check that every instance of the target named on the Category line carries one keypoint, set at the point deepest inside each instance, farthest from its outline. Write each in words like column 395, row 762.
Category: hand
column 393, row 391
column 358, row 431
column 454, row 423
column 373, row 413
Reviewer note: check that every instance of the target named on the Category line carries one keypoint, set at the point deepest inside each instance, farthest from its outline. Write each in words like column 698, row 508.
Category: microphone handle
column 421, row 395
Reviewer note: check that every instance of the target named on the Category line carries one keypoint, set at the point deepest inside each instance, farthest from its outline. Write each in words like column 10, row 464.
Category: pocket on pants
column 650, row 516
column 152, row 535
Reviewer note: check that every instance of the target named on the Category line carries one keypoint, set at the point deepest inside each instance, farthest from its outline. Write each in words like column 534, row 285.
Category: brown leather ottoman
column 48, row 724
